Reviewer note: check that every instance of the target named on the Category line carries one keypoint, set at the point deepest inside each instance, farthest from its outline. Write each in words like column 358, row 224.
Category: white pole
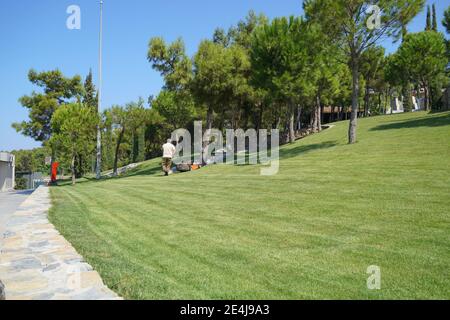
column 99, row 95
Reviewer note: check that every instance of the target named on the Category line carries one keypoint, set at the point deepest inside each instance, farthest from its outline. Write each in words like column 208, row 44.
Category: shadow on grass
column 68, row 182
column 150, row 171
column 303, row 149
column 438, row 120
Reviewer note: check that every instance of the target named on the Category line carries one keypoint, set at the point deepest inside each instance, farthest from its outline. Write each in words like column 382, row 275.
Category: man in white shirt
column 168, row 154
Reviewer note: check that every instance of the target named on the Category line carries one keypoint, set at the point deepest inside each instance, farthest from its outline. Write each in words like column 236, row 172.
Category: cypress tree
column 434, row 26
column 446, row 20
column 428, row 26
column 90, row 94
column 141, row 144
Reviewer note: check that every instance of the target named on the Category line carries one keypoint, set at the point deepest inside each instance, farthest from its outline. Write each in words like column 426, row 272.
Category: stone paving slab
column 37, row 263
column 9, row 202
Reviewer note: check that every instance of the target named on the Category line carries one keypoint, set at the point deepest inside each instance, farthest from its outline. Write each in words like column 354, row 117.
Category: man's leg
column 169, row 165
column 164, row 166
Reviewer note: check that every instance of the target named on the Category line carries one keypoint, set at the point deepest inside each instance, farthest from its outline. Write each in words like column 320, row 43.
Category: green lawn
column 310, row 232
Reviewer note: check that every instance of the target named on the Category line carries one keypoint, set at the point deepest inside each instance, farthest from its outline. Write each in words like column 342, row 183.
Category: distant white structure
column 397, row 105
column 418, row 103
column 7, row 171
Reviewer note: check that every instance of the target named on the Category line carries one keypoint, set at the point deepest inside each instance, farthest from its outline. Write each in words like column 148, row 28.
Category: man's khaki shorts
column 166, row 164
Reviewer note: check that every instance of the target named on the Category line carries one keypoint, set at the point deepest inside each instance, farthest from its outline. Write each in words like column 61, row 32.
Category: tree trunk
column 407, row 94
column 260, row 118
column 319, row 118
column 389, row 103
column 206, row 137
column 246, row 118
column 73, row 169
column 291, row 124
column 314, row 119
column 386, row 101
column 427, row 98
column 366, row 102
column 379, row 101
column 116, row 156
column 317, row 123
column 80, row 167
column 355, row 102
column 234, row 120
column 222, row 120
column 299, row 119
column 278, row 123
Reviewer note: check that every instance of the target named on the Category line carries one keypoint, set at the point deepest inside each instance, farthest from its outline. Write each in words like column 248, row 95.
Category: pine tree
column 434, row 25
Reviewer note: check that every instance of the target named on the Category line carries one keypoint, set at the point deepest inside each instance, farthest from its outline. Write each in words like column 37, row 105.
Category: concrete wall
column 7, row 172
column 6, row 177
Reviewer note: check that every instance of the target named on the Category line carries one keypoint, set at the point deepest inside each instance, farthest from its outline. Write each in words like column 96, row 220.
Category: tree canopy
column 73, row 126
column 347, row 24
column 422, row 58
column 56, row 91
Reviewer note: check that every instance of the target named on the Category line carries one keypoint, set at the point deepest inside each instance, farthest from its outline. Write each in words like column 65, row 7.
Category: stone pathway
column 9, row 202
column 37, row 263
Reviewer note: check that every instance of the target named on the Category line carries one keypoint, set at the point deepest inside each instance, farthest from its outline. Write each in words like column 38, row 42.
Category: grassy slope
column 309, row 232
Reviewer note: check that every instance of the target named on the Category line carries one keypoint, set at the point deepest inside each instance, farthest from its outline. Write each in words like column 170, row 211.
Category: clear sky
column 33, row 34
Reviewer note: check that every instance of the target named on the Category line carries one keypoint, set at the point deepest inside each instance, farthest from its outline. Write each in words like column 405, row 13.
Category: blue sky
column 34, row 35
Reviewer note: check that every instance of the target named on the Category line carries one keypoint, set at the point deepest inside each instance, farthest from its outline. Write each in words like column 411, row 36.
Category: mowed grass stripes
column 310, row 232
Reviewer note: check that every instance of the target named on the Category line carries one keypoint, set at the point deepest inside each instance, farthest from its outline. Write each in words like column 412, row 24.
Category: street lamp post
column 99, row 97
